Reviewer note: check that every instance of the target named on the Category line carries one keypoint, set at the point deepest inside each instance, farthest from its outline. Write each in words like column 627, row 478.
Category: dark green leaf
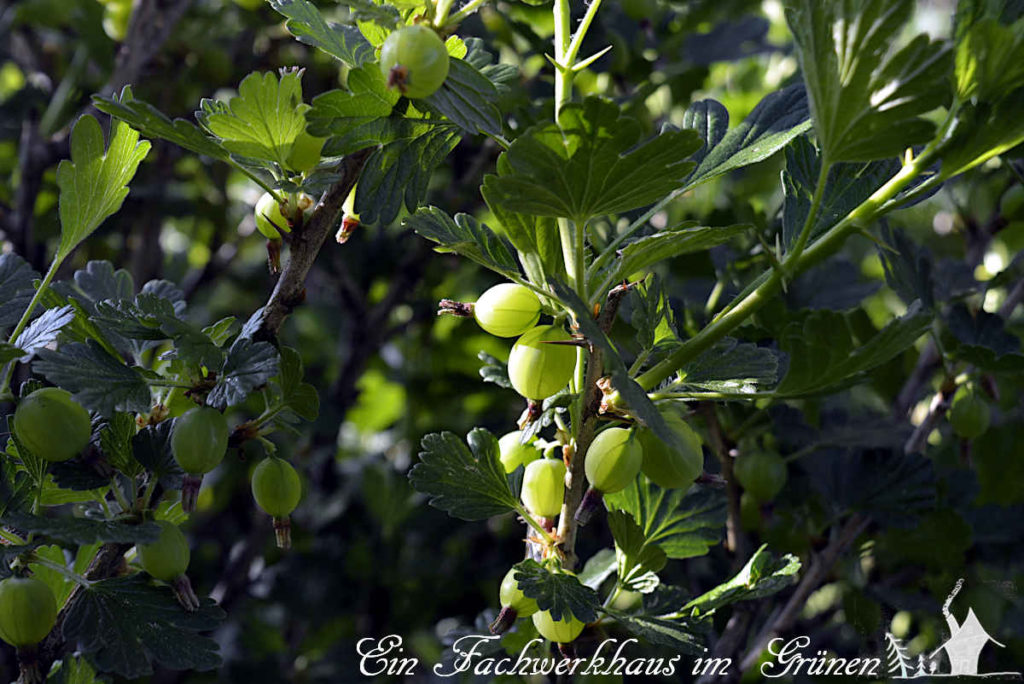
column 824, row 350
column 151, row 447
column 982, row 339
column 594, row 164
column 125, row 625
column 763, row 575
column 885, row 483
column 466, row 236
column 470, row 485
column 560, row 594
column 777, row 119
column 116, row 443
column 97, row 380
column 81, row 531
column 638, row 561
column 398, row 173
column 8, row 352
column 990, row 60
column 846, row 187
column 494, row 370
column 16, row 290
column 684, row 523
column 866, row 96
column 673, row 634
column 248, row 365
column 672, row 242
column 731, row 367
column 307, row 24
column 300, row 397
column 467, row 98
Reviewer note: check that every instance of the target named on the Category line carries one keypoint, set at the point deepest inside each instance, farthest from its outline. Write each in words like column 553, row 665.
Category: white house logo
column 957, row 657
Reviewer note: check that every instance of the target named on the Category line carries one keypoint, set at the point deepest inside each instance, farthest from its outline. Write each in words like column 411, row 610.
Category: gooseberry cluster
column 542, row 362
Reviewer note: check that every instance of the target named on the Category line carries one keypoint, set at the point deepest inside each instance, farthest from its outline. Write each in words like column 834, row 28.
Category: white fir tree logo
column 962, row 649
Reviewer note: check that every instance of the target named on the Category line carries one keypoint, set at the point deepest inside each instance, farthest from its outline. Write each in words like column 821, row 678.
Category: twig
column 936, row 410
column 567, row 526
column 734, row 538
column 291, row 286
column 728, row 644
column 821, row 565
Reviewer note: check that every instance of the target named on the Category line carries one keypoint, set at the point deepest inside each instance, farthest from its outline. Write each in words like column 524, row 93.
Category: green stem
column 467, row 9
column 812, row 214
column 26, row 317
column 795, row 263
column 581, row 32
column 59, row 568
column 563, row 76
column 537, row 527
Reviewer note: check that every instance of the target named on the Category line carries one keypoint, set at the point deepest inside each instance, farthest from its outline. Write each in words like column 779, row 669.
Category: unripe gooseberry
column 561, row 631
column 668, row 467
column 269, row 219
column 762, row 474
column 538, row 369
column 612, row 462
column 969, row 415
column 198, row 442
column 514, row 453
column 414, row 60
column 28, row 611
column 116, row 17
column 514, row 604
column 544, row 487
column 305, row 152
column 507, row 310
column 277, row 490
column 167, row 559
column 52, row 425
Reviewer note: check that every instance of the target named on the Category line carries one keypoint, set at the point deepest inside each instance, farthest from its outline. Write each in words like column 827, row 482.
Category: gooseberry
column 277, row 490
column 762, row 474
column 970, row 415
column 560, row 631
column 305, row 152
column 612, row 462
column 414, row 60
column 544, row 487
column 51, row 424
column 667, row 467
column 538, row 369
column 269, row 219
column 514, row 453
column 116, row 16
column 28, row 611
column 514, row 604
column 167, row 559
column 198, row 442
column 507, row 310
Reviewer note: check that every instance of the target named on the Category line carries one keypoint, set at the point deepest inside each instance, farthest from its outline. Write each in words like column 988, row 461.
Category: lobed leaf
column 466, row 236
column 97, row 380
column 306, row 23
column 559, row 593
column 683, row 523
column 81, row 531
column 763, row 575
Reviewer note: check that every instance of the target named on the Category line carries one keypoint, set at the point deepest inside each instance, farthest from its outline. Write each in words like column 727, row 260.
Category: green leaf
column 300, row 397
column 990, row 60
column 43, row 331
column 466, row 236
column 648, row 250
column 774, row 122
column 307, row 24
column 116, row 443
column 355, row 117
column 846, row 187
column 98, row 381
column 561, row 594
column 468, row 99
column 983, row 131
column 125, row 625
column 534, row 237
column 249, row 365
column 94, row 182
column 8, row 352
column 494, row 370
column 16, row 289
column 684, row 523
column 638, row 561
column 151, row 447
column 763, row 575
column 865, row 95
column 598, row 568
column 72, row 670
column 80, row 531
column 398, row 173
column 673, row 634
column 470, row 485
column 982, row 339
column 265, row 118
column 153, row 123
column 595, row 164
column 824, row 350
column 730, row 367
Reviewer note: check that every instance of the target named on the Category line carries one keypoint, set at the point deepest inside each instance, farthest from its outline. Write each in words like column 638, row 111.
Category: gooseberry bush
column 746, row 407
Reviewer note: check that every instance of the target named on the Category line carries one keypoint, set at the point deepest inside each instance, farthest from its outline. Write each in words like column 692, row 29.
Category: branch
column 735, row 539
column 567, row 526
column 821, row 565
column 290, row 290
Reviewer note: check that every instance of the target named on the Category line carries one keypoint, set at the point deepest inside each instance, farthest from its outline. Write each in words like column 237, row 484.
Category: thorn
column 451, row 307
